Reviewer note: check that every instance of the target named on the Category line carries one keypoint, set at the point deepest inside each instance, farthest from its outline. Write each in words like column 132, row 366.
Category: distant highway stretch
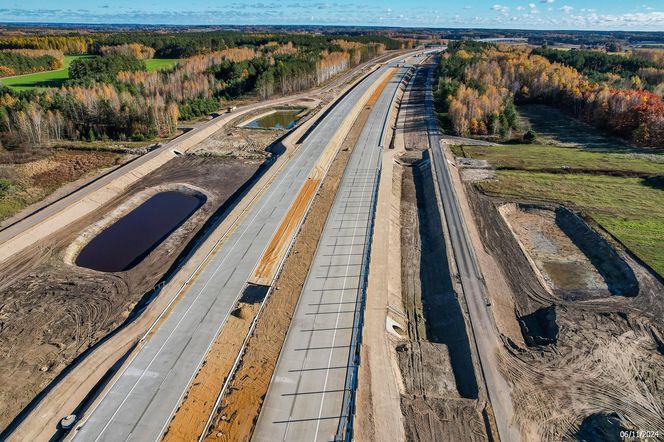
column 481, row 320
column 306, row 395
column 139, row 405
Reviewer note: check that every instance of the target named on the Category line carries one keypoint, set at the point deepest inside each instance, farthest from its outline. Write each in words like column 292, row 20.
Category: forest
column 479, row 84
column 25, row 61
column 112, row 95
column 638, row 68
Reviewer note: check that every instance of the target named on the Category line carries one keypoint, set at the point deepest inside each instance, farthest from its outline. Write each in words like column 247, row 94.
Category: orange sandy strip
column 190, row 419
column 276, row 251
column 379, row 90
column 269, row 263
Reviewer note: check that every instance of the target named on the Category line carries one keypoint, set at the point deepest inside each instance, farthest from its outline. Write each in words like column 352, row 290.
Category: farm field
column 57, row 77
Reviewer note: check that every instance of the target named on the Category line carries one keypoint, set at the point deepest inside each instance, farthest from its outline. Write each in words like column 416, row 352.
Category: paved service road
column 486, row 335
column 139, row 405
column 305, row 398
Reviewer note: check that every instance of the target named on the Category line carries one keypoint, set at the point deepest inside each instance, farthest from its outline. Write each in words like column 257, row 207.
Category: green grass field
column 155, row 64
column 42, row 79
column 538, row 157
column 56, row 78
column 630, row 208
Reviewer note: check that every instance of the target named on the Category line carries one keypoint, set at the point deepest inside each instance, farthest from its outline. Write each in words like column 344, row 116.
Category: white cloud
column 520, row 8
column 547, row 1
column 567, row 9
column 504, row 10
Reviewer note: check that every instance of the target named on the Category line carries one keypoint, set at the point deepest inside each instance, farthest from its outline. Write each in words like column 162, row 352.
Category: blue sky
column 523, row 14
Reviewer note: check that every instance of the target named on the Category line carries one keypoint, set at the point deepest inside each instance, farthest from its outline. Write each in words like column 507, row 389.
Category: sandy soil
column 441, row 397
column 51, row 311
column 240, row 142
column 584, row 358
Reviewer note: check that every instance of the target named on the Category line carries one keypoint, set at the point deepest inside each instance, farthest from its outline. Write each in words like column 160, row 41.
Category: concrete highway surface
column 139, row 405
column 305, row 398
column 481, row 319
column 41, row 214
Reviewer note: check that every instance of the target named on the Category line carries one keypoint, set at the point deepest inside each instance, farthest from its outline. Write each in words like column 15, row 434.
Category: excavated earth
column 591, row 317
column 441, row 398
column 52, row 311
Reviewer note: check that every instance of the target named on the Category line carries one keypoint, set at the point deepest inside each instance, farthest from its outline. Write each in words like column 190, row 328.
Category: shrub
column 529, row 137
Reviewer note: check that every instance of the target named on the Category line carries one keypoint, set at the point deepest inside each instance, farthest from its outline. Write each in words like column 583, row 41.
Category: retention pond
column 281, row 119
column 126, row 242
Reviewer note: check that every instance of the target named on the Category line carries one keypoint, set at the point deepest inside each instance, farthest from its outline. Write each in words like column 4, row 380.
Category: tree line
column 637, row 69
column 27, row 61
column 478, row 84
column 113, row 96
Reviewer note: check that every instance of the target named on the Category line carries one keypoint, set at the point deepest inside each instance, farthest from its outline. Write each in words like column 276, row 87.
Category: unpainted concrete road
column 305, row 398
column 141, row 402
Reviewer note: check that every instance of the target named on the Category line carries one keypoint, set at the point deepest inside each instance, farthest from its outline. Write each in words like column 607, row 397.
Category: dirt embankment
column 441, row 398
column 593, row 357
column 51, row 311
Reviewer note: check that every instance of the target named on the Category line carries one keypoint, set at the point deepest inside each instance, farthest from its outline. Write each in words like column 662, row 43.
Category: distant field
column 42, row 79
column 155, row 64
column 630, row 208
column 538, row 157
column 56, row 78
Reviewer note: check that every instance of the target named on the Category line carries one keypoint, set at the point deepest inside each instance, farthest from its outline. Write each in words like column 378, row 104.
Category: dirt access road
column 481, row 317
column 62, row 398
column 43, row 222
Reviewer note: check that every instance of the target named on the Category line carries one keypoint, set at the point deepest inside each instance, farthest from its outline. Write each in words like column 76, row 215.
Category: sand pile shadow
column 601, row 427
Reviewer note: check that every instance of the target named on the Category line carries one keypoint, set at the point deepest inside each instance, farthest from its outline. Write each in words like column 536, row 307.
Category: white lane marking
column 334, row 334
column 281, row 179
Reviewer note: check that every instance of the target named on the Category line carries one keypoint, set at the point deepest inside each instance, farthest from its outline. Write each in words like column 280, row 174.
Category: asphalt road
column 305, row 397
column 139, row 405
column 481, row 319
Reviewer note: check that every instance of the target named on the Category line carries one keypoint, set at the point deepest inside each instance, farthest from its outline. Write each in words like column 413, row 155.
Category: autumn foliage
column 135, row 50
column 113, row 96
column 491, row 78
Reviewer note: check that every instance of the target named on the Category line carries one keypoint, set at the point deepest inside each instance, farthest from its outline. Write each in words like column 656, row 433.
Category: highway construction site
column 582, row 327
column 344, row 278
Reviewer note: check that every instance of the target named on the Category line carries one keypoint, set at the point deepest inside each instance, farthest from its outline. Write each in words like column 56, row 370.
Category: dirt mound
column 604, row 427
column 540, row 327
